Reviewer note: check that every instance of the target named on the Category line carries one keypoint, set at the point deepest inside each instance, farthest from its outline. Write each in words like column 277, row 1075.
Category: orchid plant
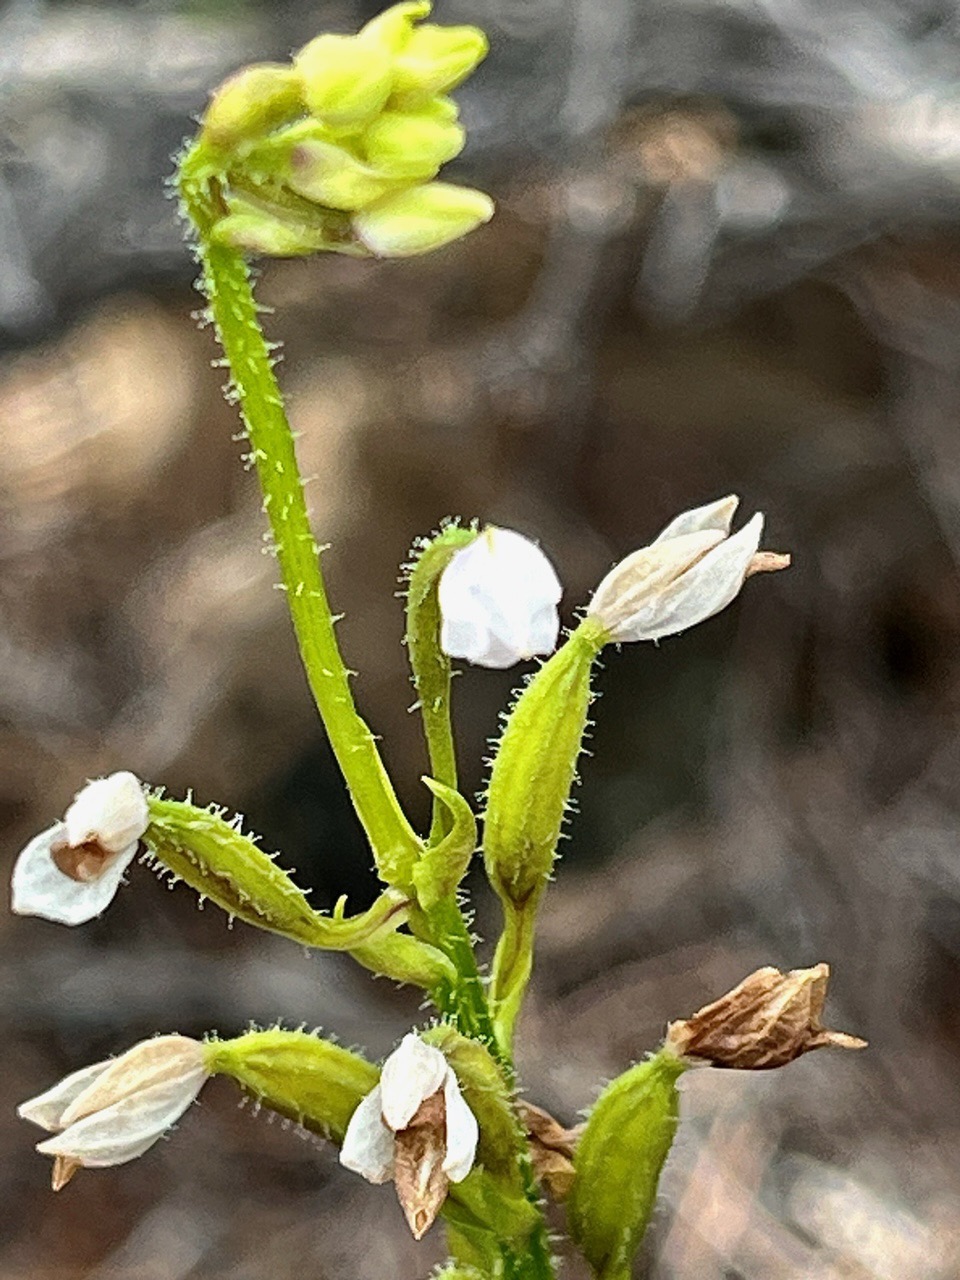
column 339, row 151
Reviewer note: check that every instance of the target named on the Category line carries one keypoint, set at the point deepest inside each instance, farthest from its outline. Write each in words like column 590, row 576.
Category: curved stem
column 430, row 665
column 226, row 283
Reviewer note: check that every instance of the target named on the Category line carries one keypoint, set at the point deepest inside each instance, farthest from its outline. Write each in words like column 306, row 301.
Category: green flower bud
column 412, row 144
column 618, row 1162
column 215, row 858
column 435, row 59
column 442, row 866
column 406, row 959
column 309, row 1080
column 393, row 27
column 332, row 176
column 346, row 80
column 250, row 230
column 250, row 104
column 419, row 219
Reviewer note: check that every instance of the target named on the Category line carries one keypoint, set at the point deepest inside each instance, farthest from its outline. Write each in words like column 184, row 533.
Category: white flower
column 113, row 1111
column 498, row 601
column 70, row 872
column 415, row 1128
column 691, row 571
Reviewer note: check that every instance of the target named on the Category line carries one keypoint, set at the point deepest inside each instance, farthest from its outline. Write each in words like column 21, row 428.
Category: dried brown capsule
column 767, row 1021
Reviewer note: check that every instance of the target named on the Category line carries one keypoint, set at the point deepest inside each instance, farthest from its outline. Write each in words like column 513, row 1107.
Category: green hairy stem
column 226, row 283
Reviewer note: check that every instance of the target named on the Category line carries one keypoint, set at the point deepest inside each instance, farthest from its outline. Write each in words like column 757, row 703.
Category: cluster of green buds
column 340, row 150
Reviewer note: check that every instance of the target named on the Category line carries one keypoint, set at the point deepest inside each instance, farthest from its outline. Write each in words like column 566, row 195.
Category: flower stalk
column 226, row 283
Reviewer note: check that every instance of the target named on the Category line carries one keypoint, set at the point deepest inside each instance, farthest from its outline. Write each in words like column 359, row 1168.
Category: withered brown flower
column 767, row 1021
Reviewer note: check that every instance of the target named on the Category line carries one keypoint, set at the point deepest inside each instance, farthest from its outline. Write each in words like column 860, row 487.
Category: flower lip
column 498, row 601
column 70, row 872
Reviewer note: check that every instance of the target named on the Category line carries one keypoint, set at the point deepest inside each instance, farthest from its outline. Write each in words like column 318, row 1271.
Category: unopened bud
column 412, row 144
column 251, row 103
column 250, row 230
column 346, row 80
column 332, row 176
column 392, row 28
column 435, row 59
column 770, row 1019
column 420, row 219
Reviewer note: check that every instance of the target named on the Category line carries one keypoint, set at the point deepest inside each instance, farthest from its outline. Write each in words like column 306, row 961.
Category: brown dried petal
column 768, row 562
column 551, row 1149
column 64, row 1167
column 765, row 1022
column 419, row 1153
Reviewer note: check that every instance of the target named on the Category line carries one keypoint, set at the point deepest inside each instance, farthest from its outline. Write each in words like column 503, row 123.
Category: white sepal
column 46, row 1109
column 111, row 811
column 368, row 1143
column 498, row 601
column 39, row 887
column 712, row 515
column 411, row 1074
column 706, row 588
column 463, row 1132
column 126, row 1129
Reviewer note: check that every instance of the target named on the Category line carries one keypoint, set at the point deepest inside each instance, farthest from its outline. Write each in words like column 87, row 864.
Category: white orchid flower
column 691, row 570
column 115, row 1110
column 70, row 872
column 498, row 601
column 415, row 1128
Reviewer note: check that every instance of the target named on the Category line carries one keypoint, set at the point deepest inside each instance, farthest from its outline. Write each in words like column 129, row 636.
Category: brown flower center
column 81, row 862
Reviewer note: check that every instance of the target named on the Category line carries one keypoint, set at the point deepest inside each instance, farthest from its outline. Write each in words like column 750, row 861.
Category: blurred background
column 727, row 258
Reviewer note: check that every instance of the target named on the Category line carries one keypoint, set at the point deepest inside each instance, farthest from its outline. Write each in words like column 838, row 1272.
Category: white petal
column 113, row 811
column 709, row 586
column 47, row 1108
column 713, row 515
column 41, row 889
column 498, row 600
column 635, row 585
column 462, row 1131
column 125, row 1130
column 412, row 1073
column 172, row 1061
column 368, row 1143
